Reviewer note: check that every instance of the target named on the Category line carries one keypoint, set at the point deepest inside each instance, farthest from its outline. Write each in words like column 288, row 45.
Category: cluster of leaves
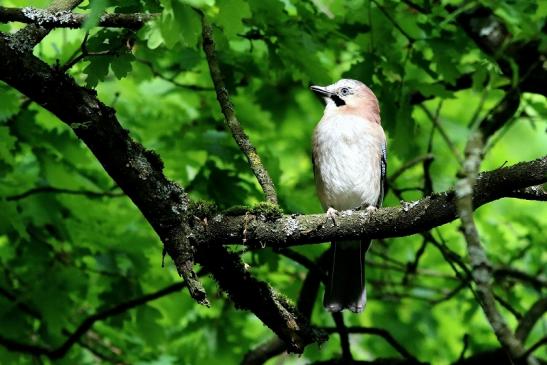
column 71, row 245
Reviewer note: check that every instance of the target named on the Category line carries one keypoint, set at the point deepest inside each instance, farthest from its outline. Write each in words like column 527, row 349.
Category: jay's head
column 349, row 96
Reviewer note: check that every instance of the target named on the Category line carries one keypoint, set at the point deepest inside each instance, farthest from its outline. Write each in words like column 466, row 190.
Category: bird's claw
column 367, row 208
column 331, row 214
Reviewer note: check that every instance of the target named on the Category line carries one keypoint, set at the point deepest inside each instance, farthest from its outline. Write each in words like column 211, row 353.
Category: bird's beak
column 321, row 91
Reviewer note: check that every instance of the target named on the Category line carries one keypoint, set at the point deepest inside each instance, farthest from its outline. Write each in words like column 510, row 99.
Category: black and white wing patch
column 383, row 175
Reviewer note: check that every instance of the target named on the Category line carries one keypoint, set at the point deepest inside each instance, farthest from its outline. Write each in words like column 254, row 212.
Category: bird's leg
column 331, row 214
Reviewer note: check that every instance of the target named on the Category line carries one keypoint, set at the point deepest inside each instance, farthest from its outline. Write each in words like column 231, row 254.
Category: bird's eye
column 344, row 91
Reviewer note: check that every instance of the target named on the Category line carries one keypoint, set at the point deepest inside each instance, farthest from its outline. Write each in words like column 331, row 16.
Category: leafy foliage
column 66, row 254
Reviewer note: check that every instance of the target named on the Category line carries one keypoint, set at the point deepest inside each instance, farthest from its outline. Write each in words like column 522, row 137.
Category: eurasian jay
column 349, row 159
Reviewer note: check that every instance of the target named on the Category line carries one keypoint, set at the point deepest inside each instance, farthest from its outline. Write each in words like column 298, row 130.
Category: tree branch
column 492, row 37
column 410, row 164
column 530, row 318
column 48, row 18
column 61, row 350
column 343, row 333
column 248, row 293
column 410, row 218
column 541, row 342
column 378, row 332
column 53, row 190
column 481, row 270
column 439, row 127
column 230, row 118
column 306, row 301
column 32, row 34
column 537, row 281
column 137, row 171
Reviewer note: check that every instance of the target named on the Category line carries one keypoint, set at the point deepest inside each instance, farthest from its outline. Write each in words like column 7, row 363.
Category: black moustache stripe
column 337, row 100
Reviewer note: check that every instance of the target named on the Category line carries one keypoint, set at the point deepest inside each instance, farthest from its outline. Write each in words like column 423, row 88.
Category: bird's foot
column 367, row 208
column 331, row 214
column 334, row 307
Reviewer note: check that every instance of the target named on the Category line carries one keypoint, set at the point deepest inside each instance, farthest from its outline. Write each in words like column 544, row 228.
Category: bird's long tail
column 345, row 287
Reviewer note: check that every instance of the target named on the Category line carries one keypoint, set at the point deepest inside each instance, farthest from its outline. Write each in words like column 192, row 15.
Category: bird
column 349, row 163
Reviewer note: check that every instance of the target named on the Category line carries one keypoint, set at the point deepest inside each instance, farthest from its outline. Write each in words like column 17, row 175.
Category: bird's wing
column 383, row 175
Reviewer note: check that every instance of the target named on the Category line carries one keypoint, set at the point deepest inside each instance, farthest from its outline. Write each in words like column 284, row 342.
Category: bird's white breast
column 347, row 152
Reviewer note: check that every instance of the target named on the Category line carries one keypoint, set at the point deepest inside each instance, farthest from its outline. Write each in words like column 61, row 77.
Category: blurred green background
column 72, row 245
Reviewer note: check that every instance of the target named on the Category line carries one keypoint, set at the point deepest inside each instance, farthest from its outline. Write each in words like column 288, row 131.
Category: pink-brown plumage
column 349, row 166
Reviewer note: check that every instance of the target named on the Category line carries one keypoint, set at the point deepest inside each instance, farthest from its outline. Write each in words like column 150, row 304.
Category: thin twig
column 344, row 337
column 61, row 350
column 377, row 332
column 53, row 190
column 230, row 117
column 530, row 318
column 416, row 7
column 171, row 80
column 445, row 136
column 535, row 346
column 409, row 164
column 464, row 348
column 412, row 266
column 410, row 38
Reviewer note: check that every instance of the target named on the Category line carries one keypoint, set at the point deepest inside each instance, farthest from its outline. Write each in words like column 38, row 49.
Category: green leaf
column 7, row 144
column 97, row 9
column 147, row 324
column 188, row 23
column 230, row 15
column 121, row 65
column 198, row 3
column 97, row 70
column 10, row 220
column 9, row 102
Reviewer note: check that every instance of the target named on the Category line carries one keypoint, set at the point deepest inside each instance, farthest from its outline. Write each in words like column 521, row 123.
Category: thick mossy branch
column 409, row 218
column 248, row 293
column 64, row 18
column 137, row 171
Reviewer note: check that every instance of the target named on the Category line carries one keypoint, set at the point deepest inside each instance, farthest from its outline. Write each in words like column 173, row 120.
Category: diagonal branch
column 306, row 300
column 481, row 270
column 248, row 293
column 530, row 318
column 381, row 333
column 47, row 18
column 136, row 170
column 53, row 190
column 139, row 173
column 230, row 118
